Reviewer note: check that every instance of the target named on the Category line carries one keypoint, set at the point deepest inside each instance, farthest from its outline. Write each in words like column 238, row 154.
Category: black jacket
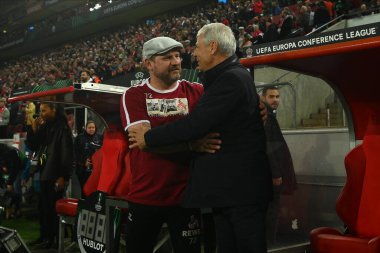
column 280, row 159
column 85, row 146
column 54, row 141
column 239, row 173
column 12, row 161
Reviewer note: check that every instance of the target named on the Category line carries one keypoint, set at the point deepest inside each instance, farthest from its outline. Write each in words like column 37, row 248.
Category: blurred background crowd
column 117, row 52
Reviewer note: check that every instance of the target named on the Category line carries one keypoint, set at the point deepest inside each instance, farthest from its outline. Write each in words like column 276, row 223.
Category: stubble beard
column 169, row 78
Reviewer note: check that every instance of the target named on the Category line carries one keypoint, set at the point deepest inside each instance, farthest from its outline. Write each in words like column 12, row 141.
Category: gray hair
column 221, row 34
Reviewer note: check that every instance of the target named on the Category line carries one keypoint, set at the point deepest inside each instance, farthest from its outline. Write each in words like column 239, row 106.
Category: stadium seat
column 358, row 206
column 109, row 175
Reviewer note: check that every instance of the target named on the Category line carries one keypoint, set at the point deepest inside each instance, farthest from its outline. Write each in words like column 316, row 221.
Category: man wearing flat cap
column 4, row 118
column 158, row 179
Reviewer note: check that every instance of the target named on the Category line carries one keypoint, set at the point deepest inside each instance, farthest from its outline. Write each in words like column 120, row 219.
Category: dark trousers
column 209, row 240
column 3, row 132
column 241, row 229
column 49, row 221
column 273, row 215
column 144, row 224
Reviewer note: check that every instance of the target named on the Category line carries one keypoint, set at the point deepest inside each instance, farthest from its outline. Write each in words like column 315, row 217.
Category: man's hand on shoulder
column 277, row 181
column 136, row 135
column 208, row 144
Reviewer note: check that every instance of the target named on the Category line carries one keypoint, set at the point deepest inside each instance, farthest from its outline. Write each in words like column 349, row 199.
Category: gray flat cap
column 159, row 45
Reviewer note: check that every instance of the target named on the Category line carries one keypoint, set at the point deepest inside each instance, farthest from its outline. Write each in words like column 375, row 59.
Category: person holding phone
column 50, row 137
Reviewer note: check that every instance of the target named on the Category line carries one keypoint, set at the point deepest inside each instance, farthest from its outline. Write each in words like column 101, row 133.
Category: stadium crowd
column 118, row 53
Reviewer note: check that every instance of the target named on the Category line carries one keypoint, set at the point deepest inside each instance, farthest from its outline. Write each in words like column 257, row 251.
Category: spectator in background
column 119, row 52
column 287, row 25
column 94, row 76
column 247, row 44
column 330, row 8
column 71, row 122
column 17, row 118
column 257, row 35
column 304, row 19
column 257, row 7
column 4, row 119
column 52, row 75
column 272, row 32
column 85, row 76
column 12, row 163
column 30, row 110
column 186, row 54
column 85, row 146
column 280, row 160
column 322, row 15
column 276, row 10
column 51, row 138
column 240, row 35
column 340, row 7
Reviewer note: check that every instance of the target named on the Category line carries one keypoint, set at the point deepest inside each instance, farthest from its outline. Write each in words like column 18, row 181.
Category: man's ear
column 213, row 47
column 148, row 64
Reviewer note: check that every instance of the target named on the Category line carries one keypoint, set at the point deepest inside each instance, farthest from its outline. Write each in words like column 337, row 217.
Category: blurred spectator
column 12, row 163
column 247, row 43
column 276, row 10
column 257, row 35
column 17, row 118
column 272, row 32
column 4, row 119
column 340, row 7
column 94, row 77
column 85, row 76
column 186, row 54
column 321, row 16
column 330, row 7
column 257, row 7
column 85, row 146
column 287, row 25
column 304, row 19
column 118, row 52
column 30, row 110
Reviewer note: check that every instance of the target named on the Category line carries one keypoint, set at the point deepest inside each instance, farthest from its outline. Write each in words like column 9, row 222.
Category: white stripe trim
column 161, row 91
column 188, row 82
column 127, row 119
column 136, row 122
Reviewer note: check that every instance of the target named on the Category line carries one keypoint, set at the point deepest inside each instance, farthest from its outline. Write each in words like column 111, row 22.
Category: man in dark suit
column 280, row 160
column 235, row 181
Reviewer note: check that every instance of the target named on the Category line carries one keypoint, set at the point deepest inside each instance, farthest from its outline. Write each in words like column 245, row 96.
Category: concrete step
column 332, row 110
column 324, row 115
column 321, row 122
column 336, row 122
column 314, row 122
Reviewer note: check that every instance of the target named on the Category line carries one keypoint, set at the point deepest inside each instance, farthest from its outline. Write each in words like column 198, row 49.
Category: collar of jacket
column 210, row 75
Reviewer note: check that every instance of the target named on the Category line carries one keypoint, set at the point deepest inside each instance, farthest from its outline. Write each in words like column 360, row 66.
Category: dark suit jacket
column 239, row 173
column 280, row 159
